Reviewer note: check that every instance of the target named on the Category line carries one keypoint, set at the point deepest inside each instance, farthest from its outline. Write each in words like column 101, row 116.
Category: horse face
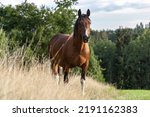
column 84, row 25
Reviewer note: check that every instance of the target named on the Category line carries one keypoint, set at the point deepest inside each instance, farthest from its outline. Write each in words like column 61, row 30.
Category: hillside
column 37, row 83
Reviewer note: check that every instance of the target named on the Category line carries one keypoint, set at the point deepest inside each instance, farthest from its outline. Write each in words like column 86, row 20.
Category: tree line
column 125, row 56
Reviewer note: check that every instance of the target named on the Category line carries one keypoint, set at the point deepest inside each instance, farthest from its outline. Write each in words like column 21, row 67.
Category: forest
column 120, row 57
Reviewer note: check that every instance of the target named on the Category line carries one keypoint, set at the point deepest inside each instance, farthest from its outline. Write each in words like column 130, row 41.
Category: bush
column 95, row 69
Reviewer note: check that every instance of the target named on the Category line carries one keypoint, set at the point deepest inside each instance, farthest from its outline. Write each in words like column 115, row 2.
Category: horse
column 68, row 51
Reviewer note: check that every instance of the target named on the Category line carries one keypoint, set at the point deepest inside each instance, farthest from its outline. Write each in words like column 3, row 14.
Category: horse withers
column 68, row 51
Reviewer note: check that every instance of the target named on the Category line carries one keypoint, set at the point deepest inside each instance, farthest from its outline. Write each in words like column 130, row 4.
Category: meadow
column 18, row 82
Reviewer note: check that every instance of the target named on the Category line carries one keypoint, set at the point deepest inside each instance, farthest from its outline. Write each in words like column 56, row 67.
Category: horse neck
column 77, row 43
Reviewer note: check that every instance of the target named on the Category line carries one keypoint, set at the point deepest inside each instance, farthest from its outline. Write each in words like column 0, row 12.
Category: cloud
column 10, row 2
column 49, row 3
column 94, row 5
column 113, row 5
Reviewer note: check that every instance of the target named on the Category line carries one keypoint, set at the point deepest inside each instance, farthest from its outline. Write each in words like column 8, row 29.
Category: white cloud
column 107, row 20
column 37, row 2
column 42, row 2
column 113, row 5
column 10, row 2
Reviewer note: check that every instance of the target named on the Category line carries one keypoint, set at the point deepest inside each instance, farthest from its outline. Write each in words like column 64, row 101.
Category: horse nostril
column 85, row 37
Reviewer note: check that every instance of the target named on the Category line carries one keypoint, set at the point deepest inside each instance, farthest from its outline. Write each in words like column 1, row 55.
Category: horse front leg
column 66, row 71
column 83, row 73
column 83, row 81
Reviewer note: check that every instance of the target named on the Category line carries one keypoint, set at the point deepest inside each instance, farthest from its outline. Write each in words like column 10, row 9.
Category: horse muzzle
column 85, row 39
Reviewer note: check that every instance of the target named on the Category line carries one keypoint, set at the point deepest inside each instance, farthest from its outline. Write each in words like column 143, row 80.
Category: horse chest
column 75, row 57
column 82, row 60
column 78, row 60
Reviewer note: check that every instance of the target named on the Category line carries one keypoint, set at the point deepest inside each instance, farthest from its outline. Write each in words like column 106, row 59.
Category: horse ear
column 79, row 12
column 88, row 12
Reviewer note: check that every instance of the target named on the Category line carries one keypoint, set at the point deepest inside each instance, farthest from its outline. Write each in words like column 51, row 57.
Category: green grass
column 134, row 95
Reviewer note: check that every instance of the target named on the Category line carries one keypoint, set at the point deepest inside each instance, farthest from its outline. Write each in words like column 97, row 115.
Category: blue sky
column 106, row 14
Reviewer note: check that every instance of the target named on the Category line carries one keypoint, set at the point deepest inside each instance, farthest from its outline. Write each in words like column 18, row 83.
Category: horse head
column 82, row 26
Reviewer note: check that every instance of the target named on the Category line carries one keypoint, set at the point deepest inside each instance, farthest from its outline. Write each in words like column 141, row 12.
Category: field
column 134, row 94
column 17, row 82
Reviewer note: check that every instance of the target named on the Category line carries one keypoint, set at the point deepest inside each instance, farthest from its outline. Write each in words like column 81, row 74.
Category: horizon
column 105, row 14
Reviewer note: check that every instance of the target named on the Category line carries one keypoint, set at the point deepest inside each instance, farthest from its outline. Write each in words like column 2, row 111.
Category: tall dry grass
column 36, row 82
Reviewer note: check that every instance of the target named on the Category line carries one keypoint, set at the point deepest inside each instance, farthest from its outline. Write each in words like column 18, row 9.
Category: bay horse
column 69, row 51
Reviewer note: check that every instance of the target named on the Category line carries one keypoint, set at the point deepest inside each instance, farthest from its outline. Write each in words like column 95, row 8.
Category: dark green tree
column 123, row 39
column 137, row 62
column 105, row 51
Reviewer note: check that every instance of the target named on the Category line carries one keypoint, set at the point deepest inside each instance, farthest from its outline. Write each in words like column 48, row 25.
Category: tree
column 123, row 39
column 105, row 50
column 31, row 26
column 137, row 62
column 64, row 16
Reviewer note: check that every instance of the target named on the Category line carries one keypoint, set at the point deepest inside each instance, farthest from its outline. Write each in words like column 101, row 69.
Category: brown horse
column 69, row 51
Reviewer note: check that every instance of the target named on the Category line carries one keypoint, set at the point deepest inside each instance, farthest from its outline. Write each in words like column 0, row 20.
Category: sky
column 106, row 14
